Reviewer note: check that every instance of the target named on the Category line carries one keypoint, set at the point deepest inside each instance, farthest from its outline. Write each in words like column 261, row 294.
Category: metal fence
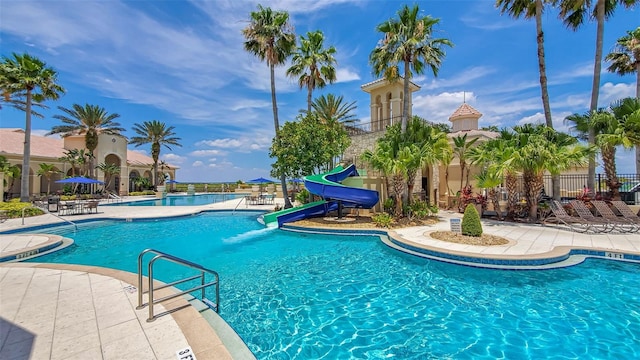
column 574, row 185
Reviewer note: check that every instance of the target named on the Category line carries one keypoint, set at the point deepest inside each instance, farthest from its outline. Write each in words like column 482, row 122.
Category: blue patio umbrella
column 79, row 180
column 260, row 180
column 172, row 182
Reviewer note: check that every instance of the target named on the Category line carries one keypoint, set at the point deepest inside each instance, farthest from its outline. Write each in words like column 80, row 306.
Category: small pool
column 304, row 296
column 182, row 200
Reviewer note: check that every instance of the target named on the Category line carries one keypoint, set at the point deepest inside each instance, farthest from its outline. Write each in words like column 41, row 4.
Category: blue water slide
column 328, row 187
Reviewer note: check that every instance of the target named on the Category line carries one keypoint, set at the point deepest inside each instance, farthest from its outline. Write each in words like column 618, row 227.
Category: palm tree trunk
column 405, row 98
column 24, row 180
column 595, row 88
column 608, row 158
column 398, row 189
column 495, row 200
column 555, row 179
column 533, row 183
column 638, row 97
column 511, row 182
column 411, row 178
column 276, row 124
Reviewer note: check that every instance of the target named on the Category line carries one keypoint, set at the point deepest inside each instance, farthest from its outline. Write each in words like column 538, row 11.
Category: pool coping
column 202, row 335
column 559, row 256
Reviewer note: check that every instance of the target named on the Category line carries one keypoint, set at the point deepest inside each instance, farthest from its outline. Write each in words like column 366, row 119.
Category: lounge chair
column 559, row 216
column 597, row 224
column 626, row 211
column 619, row 222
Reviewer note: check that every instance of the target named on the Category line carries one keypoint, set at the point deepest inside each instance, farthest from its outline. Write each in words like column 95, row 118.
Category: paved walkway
column 89, row 312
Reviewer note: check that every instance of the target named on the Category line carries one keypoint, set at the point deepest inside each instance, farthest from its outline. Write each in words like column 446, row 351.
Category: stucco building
column 111, row 150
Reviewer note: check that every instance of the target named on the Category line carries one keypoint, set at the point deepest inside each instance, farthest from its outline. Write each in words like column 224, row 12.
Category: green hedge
column 14, row 208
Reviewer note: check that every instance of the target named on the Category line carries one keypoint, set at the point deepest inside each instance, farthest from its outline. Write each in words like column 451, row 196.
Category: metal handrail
column 75, row 226
column 164, row 256
column 239, row 202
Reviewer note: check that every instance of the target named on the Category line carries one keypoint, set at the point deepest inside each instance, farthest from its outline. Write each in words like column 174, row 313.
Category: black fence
column 575, row 185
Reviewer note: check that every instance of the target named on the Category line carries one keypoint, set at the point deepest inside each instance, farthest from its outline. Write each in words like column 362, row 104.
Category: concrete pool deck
column 91, row 310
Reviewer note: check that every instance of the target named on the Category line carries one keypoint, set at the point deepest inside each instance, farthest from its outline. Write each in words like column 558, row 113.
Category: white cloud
column 610, row 92
column 203, row 153
column 173, row 158
column 222, row 143
column 197, row 163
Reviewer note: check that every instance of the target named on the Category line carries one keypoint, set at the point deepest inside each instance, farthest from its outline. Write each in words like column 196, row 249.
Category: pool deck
column 90, row 312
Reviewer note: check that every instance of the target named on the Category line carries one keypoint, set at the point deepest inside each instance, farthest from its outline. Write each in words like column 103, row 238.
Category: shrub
column 383, row 220
column 303, row 196
column 471, row 225
column 389, row 206
column 14, row 209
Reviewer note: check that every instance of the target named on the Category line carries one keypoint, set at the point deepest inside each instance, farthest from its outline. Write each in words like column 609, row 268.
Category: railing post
column 151, row 304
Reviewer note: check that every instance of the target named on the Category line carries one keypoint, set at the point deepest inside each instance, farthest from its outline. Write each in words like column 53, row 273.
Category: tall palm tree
column 532, row 9
column 270, row 37
column 625, row 59
column 574, row 13
column 408, row 41
column 331, row 107
column 90, row 121
column 47, row 170
column 25, row 75
column 313, row 64
column 158, row 135
column 461, row 149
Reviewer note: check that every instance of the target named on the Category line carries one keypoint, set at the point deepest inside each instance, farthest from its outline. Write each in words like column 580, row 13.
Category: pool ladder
column 154, row 287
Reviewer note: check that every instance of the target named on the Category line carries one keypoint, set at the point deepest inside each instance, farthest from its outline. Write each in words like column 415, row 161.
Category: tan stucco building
column 111, row 150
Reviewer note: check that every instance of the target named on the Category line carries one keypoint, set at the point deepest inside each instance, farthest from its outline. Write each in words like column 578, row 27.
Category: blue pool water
column 182, row 200
column 300, row 296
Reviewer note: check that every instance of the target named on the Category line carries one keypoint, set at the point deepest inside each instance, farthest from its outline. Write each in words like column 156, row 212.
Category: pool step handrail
column 46, row 210
column 159, row 255
column 238, row 204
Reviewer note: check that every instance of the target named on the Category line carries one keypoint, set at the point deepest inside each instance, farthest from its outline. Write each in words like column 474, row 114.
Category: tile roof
column 465, row 110
column 382, row 82
column 12, row 142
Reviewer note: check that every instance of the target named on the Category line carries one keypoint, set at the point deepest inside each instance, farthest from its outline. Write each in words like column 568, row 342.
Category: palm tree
column 573, row 14
column 428, row 146
column 389, row 160
column 331, row 107
column 625, row 59
column 489, row 179
column 47, row 170
column 90, row 120
column 157, row 134
column 270, row 37
column 538, row 148
column 408, row 41
column 312, row 56
column 108, row 170
column 71, row 157
column 11, row 172
column 25, row 75
column 532, row 9
column 461, row 148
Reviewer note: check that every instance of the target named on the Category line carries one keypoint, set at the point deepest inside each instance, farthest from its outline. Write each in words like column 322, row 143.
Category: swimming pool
column 302, row 296
column 182, row 200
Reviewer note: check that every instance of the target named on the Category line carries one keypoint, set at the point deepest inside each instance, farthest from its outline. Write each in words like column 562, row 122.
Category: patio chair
column 559, row 216
column 619, row 222
column 626, row 211
column 91, row 205
column 598, row 224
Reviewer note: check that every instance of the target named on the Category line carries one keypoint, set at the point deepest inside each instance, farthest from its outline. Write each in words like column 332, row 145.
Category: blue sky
column 183, row 63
